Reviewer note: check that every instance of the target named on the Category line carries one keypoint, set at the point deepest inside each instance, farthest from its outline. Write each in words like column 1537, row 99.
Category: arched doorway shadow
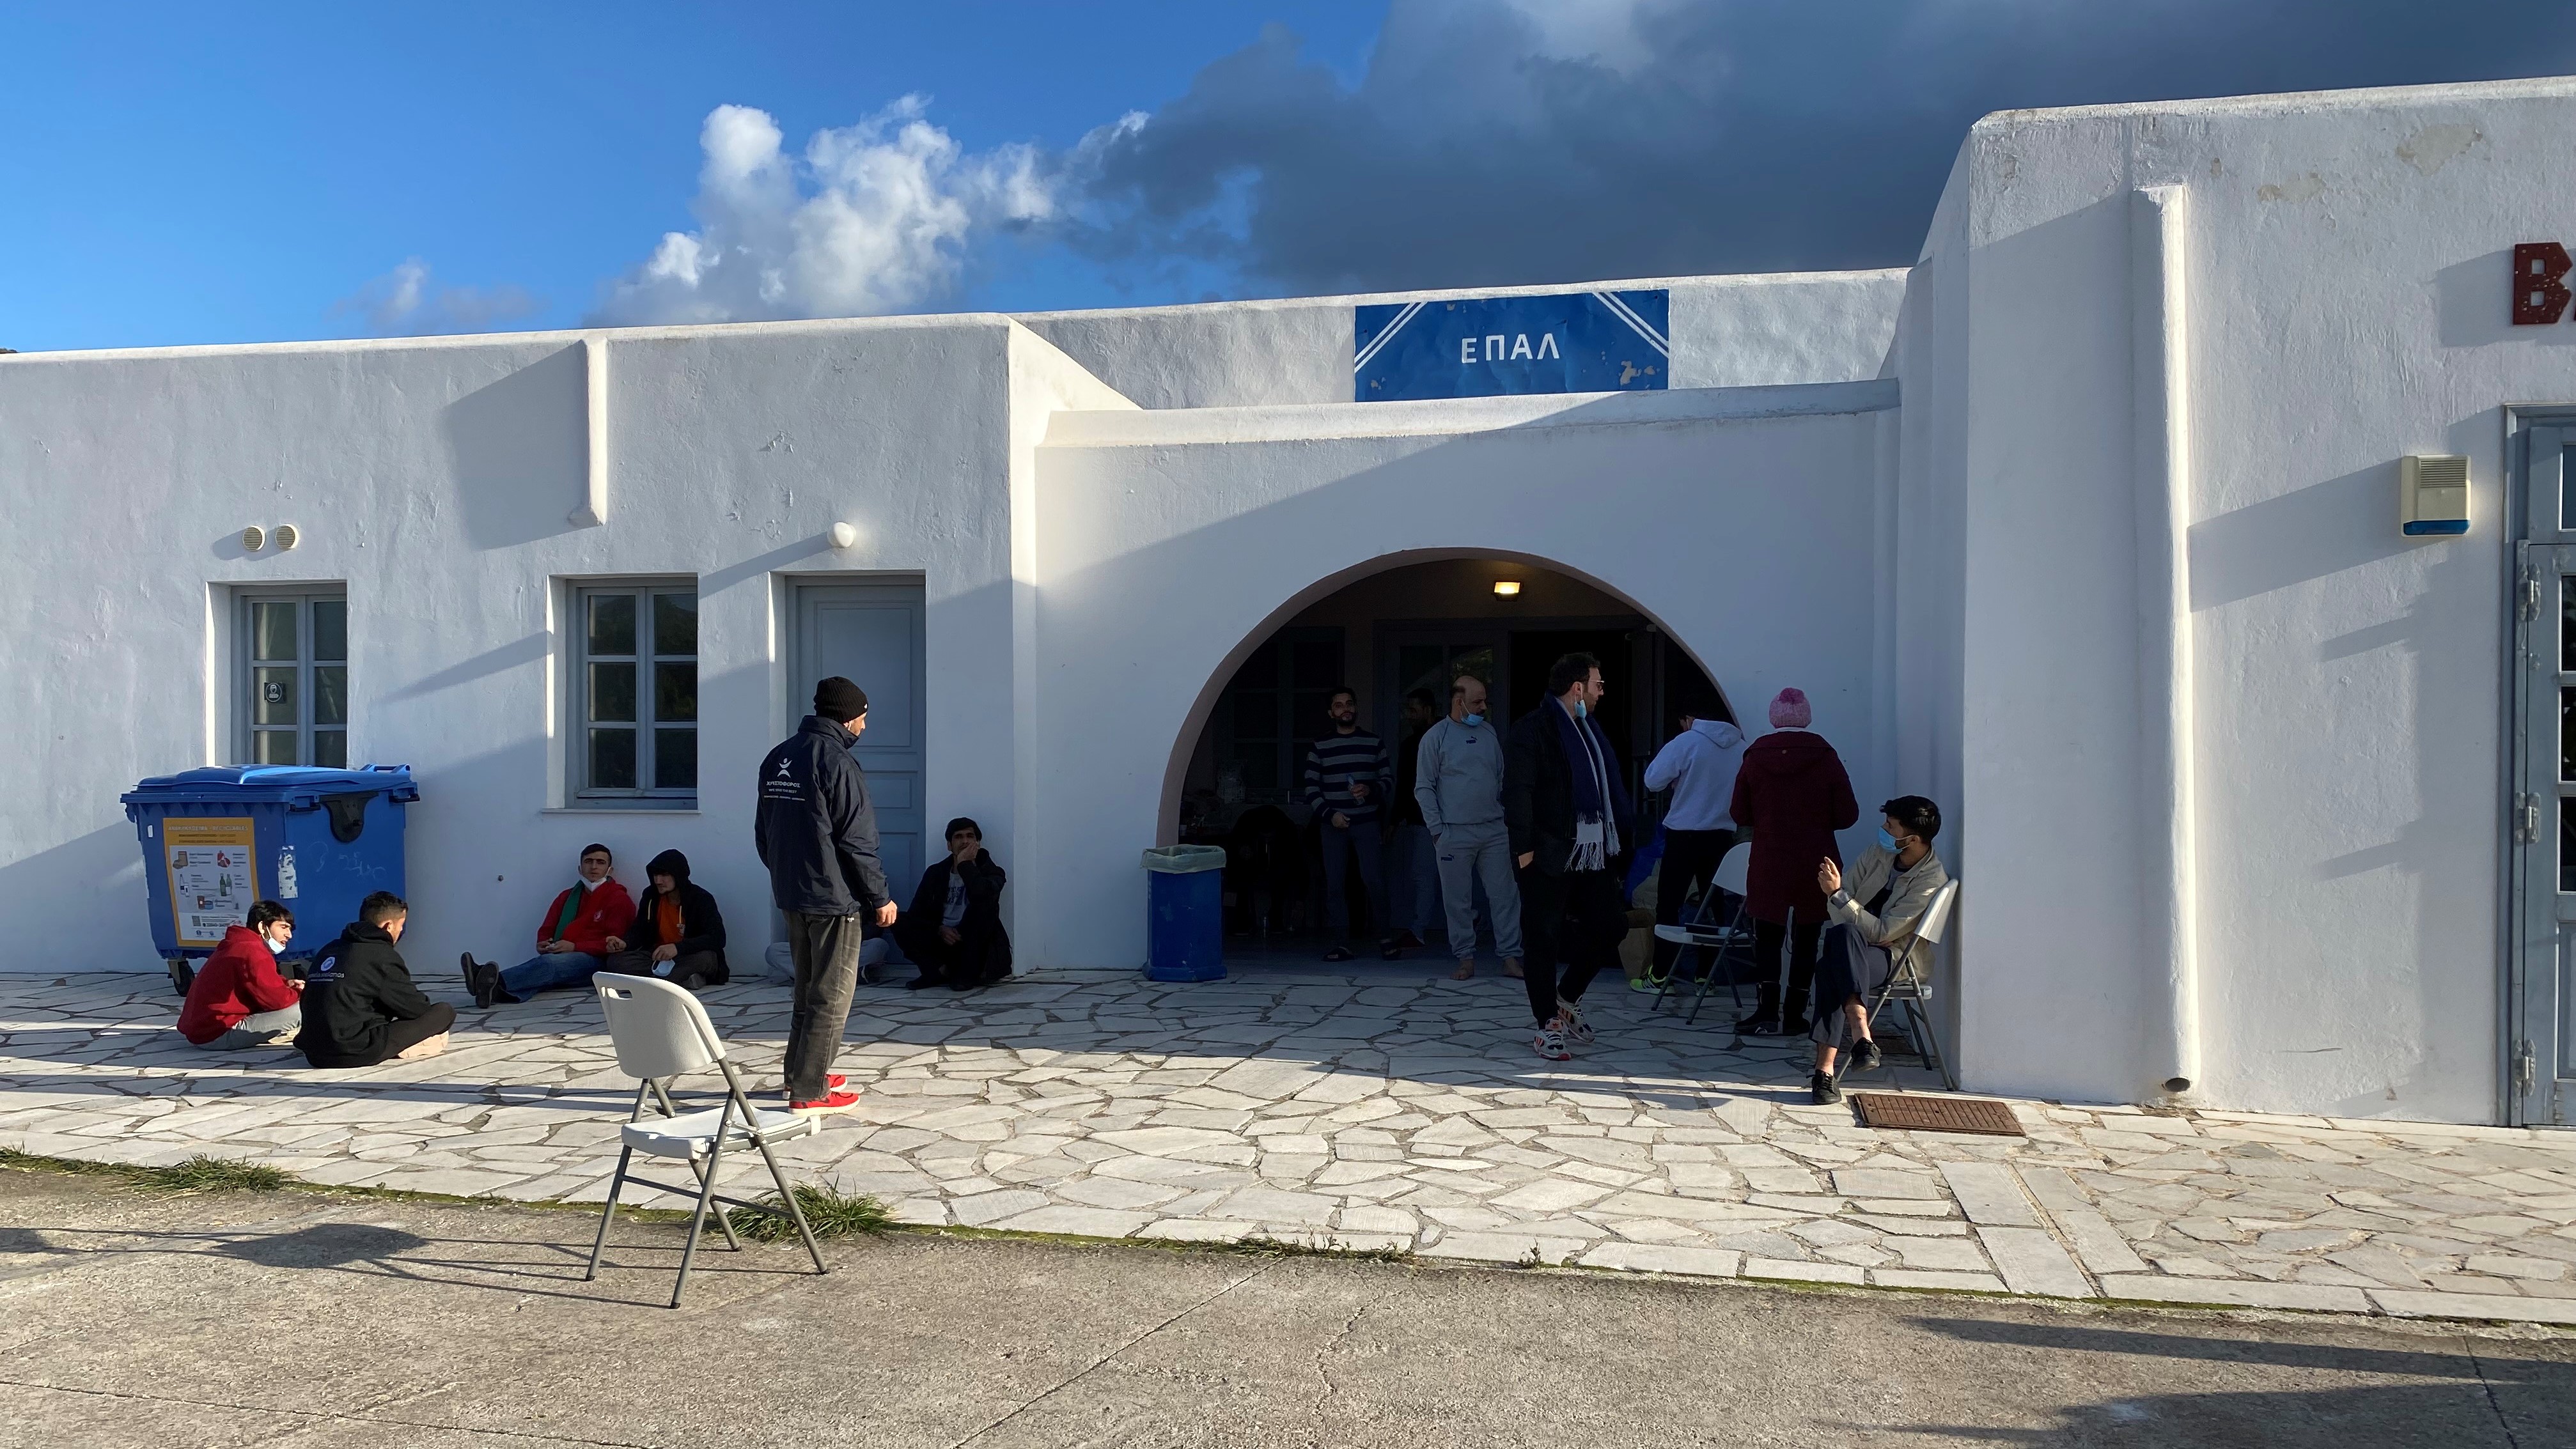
column 1195, row 722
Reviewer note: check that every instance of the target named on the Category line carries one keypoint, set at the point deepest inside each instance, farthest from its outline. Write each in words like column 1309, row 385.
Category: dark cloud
column 1506, row 141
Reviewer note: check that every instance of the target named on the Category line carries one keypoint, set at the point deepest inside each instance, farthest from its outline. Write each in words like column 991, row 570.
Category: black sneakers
column 1821, row 1090
column 1865, row 1057
column 480, row 979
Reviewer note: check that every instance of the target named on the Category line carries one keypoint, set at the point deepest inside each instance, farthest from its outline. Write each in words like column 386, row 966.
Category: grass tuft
column 214, row 1174
column 1330, row 1248
column 829, row 1213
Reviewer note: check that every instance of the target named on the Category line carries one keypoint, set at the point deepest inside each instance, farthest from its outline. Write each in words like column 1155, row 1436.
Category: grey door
column 872, row 634
column 2540, row 1000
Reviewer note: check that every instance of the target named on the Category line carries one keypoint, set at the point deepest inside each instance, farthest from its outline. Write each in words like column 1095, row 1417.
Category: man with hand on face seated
column 238, row 999
column 572, row 939
column 954, row 930
column 678, row 933
column 361, row 1006
column 1875, row 912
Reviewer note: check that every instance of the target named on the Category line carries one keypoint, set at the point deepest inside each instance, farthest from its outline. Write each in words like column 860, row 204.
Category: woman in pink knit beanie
column 1792, row 794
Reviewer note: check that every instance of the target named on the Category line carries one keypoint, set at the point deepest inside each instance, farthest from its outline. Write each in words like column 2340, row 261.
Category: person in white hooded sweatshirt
column 1698, row 766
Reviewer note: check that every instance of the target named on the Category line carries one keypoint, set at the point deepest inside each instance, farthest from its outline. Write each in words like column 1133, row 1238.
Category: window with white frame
column 294, row 677
column 635, row 694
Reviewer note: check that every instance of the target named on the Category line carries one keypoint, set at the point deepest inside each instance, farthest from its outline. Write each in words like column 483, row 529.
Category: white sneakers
column 1570, row 1019
column 1549, row 1041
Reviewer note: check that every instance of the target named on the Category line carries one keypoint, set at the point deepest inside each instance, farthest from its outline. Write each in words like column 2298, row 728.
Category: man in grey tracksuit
column 1458, row 781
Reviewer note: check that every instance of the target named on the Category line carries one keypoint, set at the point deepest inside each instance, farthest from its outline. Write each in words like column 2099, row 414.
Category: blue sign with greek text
column 1503, row 346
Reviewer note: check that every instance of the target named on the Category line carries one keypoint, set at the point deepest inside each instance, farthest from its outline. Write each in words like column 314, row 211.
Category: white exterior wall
column 2346, row 268
column 435, row 478
column 1174, row 542
column 1749, row 331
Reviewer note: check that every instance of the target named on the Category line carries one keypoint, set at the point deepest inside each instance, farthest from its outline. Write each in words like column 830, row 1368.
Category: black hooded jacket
column 702, row 926
column 357, row 990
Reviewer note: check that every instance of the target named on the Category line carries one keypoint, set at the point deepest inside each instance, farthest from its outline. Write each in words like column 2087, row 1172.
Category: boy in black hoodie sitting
column 954, row 930
column 360, row 1004
column 678, row 934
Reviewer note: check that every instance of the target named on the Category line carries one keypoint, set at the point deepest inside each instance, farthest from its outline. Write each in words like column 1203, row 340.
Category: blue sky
column 197, row 173
column 180, row 174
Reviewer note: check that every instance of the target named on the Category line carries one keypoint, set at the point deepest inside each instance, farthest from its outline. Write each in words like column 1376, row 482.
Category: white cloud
column 404, row 303
column 871, row 218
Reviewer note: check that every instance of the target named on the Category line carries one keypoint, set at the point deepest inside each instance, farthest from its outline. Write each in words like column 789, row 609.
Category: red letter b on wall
column 2539, row 291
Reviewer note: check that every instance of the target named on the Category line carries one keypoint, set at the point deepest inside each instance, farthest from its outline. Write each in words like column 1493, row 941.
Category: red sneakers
column 836, row 1081
column 833, row 1101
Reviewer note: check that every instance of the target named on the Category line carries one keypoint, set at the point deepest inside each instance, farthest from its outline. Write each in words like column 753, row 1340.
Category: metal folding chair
column 1909, row 985
column 1713, row 936
column 662, row 1033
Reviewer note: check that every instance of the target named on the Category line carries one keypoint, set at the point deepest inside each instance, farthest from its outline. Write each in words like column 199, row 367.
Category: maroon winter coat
column 1793, row 795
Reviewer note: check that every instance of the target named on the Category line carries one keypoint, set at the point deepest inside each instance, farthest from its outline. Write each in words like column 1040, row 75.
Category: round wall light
column 1507, row 588
column 844, row 535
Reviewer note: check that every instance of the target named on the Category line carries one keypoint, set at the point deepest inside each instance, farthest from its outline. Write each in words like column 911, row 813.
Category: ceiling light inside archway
column 1507, row 588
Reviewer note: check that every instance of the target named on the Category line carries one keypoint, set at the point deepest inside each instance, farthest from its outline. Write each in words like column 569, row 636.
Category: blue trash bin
column 1185, row 913
column 216, row 840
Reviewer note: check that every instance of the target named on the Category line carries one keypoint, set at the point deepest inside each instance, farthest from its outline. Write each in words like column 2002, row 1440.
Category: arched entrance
column 1397, row 631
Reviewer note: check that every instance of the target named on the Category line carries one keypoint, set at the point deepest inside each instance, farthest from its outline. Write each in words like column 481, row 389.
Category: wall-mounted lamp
column 1507, row 588
column 844, row 535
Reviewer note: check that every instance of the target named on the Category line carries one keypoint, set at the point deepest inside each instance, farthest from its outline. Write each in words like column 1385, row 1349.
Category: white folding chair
column 661, row 1033
column 1909, row 985
column 1714, row 933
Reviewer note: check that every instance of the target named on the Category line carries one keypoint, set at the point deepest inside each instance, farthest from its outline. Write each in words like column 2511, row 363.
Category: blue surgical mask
column 1886, row 841
column 1473, row 719
column 1581, row 709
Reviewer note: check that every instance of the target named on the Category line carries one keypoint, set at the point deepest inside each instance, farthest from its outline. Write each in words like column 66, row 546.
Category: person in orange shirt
column 678, row 933
column 238, row 998
column 573, row 940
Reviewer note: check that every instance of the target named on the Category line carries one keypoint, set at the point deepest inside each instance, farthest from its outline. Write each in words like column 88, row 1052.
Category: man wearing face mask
column 573, row 938
column 1458, row 782
column 238, row 998
column 1876, row 911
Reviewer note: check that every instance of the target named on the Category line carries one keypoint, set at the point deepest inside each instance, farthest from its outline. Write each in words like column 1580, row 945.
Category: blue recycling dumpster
column 218, row 839
column 1185, row 913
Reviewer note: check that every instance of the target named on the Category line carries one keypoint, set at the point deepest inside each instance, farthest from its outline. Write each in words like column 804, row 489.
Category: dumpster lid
column 300, row 786
column 1184, row 859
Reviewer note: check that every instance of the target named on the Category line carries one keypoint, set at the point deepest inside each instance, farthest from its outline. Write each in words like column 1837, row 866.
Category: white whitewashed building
column 2088, row 525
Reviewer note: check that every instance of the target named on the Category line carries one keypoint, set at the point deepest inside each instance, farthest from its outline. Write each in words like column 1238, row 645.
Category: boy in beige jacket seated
column 1873, row 915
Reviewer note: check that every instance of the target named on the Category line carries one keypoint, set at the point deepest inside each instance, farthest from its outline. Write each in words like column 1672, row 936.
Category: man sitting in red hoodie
column 572, row 940
column 238, row 999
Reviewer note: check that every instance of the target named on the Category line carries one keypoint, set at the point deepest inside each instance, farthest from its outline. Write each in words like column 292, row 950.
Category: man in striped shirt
column 1348, row 782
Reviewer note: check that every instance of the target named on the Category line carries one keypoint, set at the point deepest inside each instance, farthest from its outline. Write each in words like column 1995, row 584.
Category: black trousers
column 1848, row 969
column 1573, row 920
column 1690, row 857
column 1801, row 936
column 701, row 964
column 979, row 956
column 402, row 1036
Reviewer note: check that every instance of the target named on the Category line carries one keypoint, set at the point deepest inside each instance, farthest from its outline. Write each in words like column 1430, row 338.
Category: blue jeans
column 549, row 973
column 1358, row 843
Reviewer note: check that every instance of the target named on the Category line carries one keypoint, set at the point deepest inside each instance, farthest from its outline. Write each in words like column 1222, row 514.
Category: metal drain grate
column 1906, row 1112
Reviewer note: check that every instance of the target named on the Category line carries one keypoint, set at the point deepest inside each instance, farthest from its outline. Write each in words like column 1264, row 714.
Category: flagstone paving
column 1387, row 1111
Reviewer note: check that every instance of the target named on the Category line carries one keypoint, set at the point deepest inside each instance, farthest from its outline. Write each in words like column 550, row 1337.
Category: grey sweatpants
column 1473, row 853
column 260, row 1029
column 826, row 952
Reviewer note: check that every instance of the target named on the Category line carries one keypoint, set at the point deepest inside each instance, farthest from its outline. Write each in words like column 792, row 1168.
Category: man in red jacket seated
column 572, row 940
column 238, row 999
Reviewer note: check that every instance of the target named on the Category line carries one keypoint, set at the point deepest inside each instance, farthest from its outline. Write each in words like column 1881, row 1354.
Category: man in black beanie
column 817, row 833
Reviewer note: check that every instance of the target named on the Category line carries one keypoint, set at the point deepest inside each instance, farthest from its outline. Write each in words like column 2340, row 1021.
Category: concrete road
column 131, row 1317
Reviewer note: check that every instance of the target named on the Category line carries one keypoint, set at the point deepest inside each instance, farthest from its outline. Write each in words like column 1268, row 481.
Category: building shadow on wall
column 105, row 866
column 522, row 451
column 2294, row 537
